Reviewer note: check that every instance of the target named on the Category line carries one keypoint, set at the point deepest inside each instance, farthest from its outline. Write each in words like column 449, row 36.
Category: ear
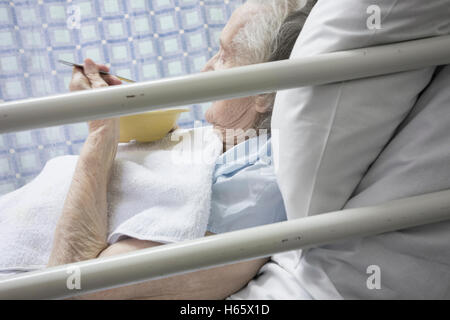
column 264, row 102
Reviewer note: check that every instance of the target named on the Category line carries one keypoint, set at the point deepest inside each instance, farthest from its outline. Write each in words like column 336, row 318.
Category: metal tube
column 224, row 84
column 166, row 260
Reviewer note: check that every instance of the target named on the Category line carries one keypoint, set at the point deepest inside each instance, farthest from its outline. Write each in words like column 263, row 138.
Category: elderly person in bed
column 255, row 33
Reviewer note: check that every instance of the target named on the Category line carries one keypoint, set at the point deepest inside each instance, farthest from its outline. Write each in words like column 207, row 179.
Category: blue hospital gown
column 245, row 192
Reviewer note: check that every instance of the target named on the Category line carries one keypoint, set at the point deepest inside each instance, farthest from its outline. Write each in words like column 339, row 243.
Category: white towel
column 158, row 191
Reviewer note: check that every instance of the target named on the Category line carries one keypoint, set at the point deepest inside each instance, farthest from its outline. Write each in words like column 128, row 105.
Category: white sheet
column 330, row 135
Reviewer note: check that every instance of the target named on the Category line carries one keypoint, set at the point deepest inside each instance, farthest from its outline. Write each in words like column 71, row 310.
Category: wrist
column 100, row 149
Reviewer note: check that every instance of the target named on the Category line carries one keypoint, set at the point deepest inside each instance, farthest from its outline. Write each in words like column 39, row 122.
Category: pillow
column 414, row 262
column 328, row 136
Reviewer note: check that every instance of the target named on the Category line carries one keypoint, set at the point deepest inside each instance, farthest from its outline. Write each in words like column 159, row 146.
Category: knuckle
column 73, row 86
column 93, row 77
column 99, row 84
column 76, row 78
column 78, row 84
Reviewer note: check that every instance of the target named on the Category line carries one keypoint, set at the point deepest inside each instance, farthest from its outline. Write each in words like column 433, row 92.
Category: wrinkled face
column 239, row 113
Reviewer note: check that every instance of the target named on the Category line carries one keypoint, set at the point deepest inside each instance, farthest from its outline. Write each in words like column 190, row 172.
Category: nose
column 209, row 66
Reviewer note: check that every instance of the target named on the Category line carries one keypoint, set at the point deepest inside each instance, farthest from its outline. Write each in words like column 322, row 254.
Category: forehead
column 239, row 19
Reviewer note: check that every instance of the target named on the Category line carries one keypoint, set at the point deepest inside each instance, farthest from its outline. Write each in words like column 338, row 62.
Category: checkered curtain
column 139, row 39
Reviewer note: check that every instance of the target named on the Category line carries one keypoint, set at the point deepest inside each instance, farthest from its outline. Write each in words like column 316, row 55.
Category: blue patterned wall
column 140, row 39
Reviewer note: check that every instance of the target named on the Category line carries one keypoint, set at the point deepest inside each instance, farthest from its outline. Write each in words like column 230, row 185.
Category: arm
column 214, row 283
column 82, row 228
column 81, row 235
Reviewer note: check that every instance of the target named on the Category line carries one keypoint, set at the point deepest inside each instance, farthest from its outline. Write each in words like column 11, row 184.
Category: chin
column 209, row 116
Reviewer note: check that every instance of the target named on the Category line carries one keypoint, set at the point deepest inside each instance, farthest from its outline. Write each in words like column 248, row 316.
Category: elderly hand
column 100, row 147
column 90, row 78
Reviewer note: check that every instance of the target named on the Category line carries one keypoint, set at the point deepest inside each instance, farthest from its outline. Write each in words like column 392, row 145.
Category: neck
column 231, row 137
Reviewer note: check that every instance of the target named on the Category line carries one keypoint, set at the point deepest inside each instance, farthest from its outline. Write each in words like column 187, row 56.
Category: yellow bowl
column 149, row 126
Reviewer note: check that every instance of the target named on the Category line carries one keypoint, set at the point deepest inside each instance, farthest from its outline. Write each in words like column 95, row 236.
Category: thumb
column 92, row 73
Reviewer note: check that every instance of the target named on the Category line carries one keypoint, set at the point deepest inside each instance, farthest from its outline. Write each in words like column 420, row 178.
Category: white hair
column 256, row 41
column 270, row 36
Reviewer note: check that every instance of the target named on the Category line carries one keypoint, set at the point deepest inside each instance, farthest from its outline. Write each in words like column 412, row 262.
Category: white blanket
column 158, row 191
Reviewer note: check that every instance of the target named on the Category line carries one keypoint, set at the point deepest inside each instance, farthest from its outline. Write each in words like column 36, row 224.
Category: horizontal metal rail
column 224, row 84
column 167, row 260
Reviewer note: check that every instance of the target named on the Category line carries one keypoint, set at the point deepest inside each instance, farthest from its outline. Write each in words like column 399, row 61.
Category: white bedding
column 337, row 140
column 158, row 191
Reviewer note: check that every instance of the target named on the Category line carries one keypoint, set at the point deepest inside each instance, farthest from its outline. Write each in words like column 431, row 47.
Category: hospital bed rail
column 223, row 84
column 221, row 249
column 167, row 260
